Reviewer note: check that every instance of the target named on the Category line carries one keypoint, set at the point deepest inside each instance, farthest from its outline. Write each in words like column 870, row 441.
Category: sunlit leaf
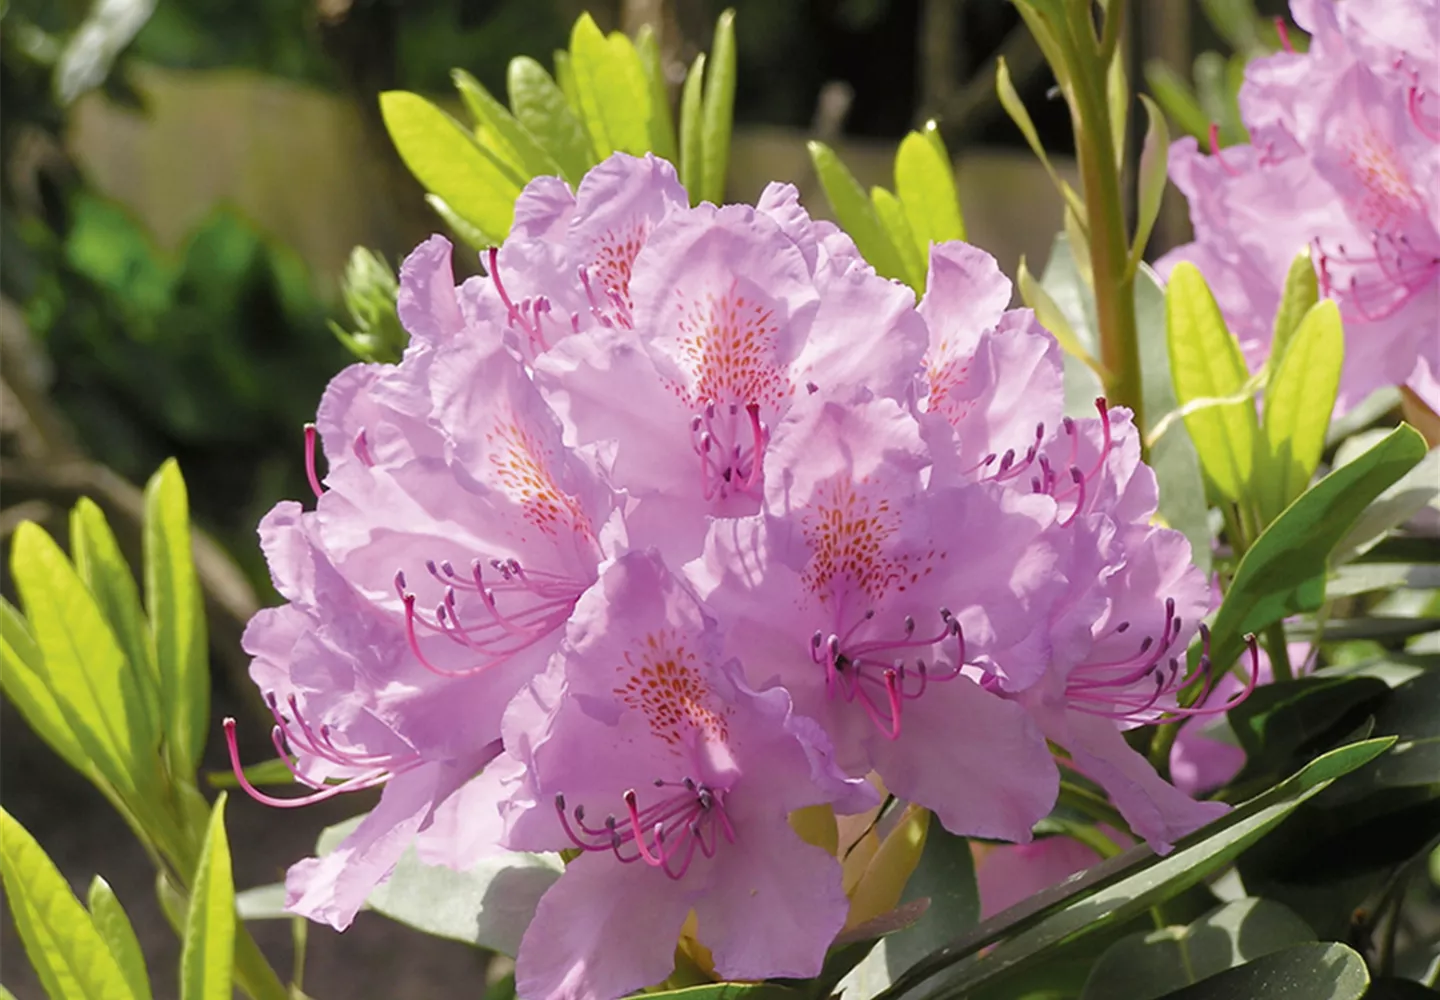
column 692, row 146
column 23, row 677
column 177, row 618
column 925, row 184
column 1298, row 403
column 540, row 106
column 114, row 927
column 855, row 212
column 661, row 124
column 1301, row 292
column 897, row 225
column 206, row 959
column 613, row 92
column 1152, row 175
column 717, row 110
column 68, row 953
column 514, row 141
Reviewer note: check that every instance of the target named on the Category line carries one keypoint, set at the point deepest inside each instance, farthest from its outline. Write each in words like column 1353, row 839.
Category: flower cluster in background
column 1343, row 160
column 681, row 520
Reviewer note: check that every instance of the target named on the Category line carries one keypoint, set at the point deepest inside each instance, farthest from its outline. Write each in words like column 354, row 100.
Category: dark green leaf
column 1284, row 571
column 1319, row 971
column 946, row 877
column 1145, row 966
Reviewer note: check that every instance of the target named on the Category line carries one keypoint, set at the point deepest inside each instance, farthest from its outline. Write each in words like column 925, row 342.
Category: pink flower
column 1344, row 159
column 868, row 596
column 640, row 722
column 430, row 582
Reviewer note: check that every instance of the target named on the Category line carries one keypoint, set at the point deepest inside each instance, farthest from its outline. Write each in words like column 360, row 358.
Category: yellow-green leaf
column 114, row 927
column 89, row 677
column 611, row 87
column 177, row 618
column 1153, row 160
column 855, row 212
column 510, row 140
column 718, row 111
column 1052, row 317
column 207, row 958
column 692, row 144
column 1298, row 405
column 1015, row 108
column 662, row 123
column 892, row 217
column 23, row 677
column 1302, row 290
column 448, row 162
column 1206, row 363
column 540, row 106
column 68, row 953
column 925, row 184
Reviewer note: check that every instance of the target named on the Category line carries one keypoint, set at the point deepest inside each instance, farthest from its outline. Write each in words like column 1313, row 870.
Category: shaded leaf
column 1319, row 971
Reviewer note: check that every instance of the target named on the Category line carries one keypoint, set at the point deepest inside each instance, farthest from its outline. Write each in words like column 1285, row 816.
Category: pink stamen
column 310, row 474
column 854, row 671
column 664, row 835
column 1215, row 151
column 358, row 783
column 1283, row 30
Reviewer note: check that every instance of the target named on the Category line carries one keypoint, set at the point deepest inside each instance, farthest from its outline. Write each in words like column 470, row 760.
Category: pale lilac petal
column 427, row 305
column 543, row 210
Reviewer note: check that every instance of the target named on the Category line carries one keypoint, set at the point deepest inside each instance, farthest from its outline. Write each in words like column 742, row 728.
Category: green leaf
column 692, row 146
column 892, row 217
column 661, row 125
column 1206, row 364
column 1048, row 312
column 1152, row 176
column 718, row 110
column 925, row 184
column 24, row 680
column 1318, row 971
column 855, row 212
column 93, row 685
column 1418, row 488
column 449, row 163
column 1015, row 108
column 1149, row 965
column 263, row 902
column 1298, row 403
column 511, row 140
column 177, row 619
column 268, row 772
column 104, row 570
column 540, row 107
column 68, row 953
column 1175, row 95
column 730, row 991
column 114, row 927
column 207, row 957
column 1301, row 292
column 1284, row 572
column 613, row 93
column 946, row 877
column 469, row 234
column 489, row 904
column 1117, row 890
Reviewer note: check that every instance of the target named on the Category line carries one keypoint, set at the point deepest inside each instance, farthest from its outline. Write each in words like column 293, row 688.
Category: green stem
column 1106, row 231
column 1160, row 746
column 1280, row 668
column 1082, row 800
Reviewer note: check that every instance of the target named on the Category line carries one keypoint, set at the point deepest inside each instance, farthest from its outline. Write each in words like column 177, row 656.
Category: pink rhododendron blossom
column 867, row 594
column 681, row 519
column 675, row 779
column 1344, row 159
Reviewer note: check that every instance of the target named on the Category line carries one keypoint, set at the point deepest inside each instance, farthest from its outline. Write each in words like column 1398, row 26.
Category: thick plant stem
column 1280, row 668
column 1107, row 234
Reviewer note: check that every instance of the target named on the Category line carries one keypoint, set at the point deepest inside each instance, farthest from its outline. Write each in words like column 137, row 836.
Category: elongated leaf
column 23, row 678
column 68, row 953
column 104, row 570
column 1298, row 405
column 1119, row 889
column 207, row 958
column 448, row 162
column 1150, row 965
column 855, row 212
column 717, row 112
column 1015, row 108
column 662, row 124
column 895, row 222
column 1152, row 176
column 115, row 928
column 1206, row 363
column 489, row 905
column 925, row 184
column 692, row 146
column 730, row 991
column 1301, row 292
column 1318, row 971
column 1284, row 571
column 177, row 618
column 540, row 106
column 1175, row 95
column 1418, row 488
column 88, row 675
column 614, row 96
column 946, row 877
column 1052, row 317
column 518, row 145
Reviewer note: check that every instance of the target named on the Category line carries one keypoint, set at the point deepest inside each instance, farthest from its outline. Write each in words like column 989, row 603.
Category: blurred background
column 183, row 182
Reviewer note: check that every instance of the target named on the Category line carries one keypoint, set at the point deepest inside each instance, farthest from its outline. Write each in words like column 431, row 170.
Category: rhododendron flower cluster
column 1343, row 159
column 680, row 520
